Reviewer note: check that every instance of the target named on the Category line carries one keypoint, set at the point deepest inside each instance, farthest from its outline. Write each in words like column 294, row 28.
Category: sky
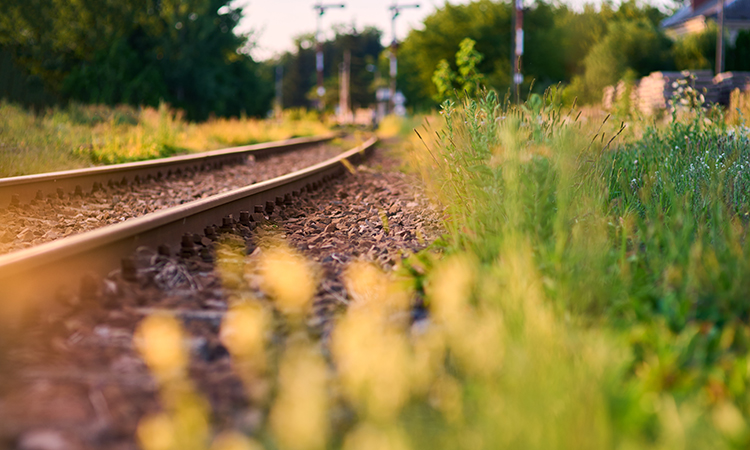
column 276, row 22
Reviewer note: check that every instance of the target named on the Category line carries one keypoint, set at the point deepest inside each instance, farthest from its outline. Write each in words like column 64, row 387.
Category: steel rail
column 26, row 188
column 32, row 278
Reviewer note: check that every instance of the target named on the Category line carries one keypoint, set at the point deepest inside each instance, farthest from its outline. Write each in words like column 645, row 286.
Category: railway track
column 30, row 278
column 77, row 379
column 23, row 189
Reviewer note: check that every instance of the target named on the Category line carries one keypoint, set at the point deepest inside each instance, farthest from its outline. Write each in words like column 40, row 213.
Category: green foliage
column 560, row 45
column 486, row 23
column 300, row 76
column 467, row 60
column 623, row 107
column 637, row 45
column 17, row 85
column 184, row 53
column 738, row 54
column 468, row 80
column 696, row 51
column 443, row 80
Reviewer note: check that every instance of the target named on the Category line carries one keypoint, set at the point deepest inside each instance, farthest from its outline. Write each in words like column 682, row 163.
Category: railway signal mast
column 518, row 51
column 321, row 8
column 395, row 10
column 720, row 40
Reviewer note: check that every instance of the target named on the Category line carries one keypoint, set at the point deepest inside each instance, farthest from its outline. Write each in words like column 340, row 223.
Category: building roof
column 734, row 10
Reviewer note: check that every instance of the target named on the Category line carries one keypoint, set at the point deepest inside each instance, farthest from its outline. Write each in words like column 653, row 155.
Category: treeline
column 186, row 53
column 300, row 75
column 585, row 50
column 139, row 52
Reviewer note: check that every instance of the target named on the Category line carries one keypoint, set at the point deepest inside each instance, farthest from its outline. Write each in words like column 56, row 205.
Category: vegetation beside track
column 618, row 269
column 590, row 292
column 80, row 136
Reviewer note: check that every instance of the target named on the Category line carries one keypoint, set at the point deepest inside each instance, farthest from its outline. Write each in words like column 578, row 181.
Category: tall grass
column 28, row 144
column 739, row 107
column 78, row 135
column 641, row 248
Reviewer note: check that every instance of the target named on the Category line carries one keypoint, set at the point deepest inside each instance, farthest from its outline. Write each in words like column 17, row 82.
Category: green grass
column 84, row 135
column 28, row 144
column 638, row 251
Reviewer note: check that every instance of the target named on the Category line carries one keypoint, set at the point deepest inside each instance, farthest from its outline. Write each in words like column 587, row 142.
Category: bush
column 629, row 45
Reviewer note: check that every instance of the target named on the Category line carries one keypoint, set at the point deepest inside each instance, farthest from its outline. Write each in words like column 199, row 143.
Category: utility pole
column 279, row 107
column 345, row 77
column 321, row 9
column 720, row 40
column 517, row 76
column 395, row 10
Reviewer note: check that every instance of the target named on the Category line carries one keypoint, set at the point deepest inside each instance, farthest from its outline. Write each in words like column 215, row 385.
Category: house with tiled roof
column 652, row 93
column 695, row 15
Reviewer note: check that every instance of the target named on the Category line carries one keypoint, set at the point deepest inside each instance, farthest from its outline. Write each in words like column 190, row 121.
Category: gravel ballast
column 56, row 217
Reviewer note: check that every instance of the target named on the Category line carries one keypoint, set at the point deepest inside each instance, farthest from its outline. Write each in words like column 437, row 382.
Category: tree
column 738, row 54
column 139, row 52
column 633, row 43
column 486, row 23
column 696, row 51
column 467, row 80
column 558, row 44
column 300, row 76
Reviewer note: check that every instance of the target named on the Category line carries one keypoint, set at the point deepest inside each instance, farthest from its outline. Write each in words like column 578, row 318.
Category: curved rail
column 27, row 187
column 30, row 278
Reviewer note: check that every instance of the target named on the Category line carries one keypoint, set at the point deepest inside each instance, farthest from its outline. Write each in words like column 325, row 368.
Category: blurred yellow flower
column 479, row 350
column 243, row 332
column 373, row 362
column 368, row 286
column 230, row 263
column 232, row 440
column 449, row 289
column 369, row 437
column 447, row 396
column 299, row 416
column 428, row 358
column 185, row 425
column 160, row 341
column 156, row 432
column 288, row 279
